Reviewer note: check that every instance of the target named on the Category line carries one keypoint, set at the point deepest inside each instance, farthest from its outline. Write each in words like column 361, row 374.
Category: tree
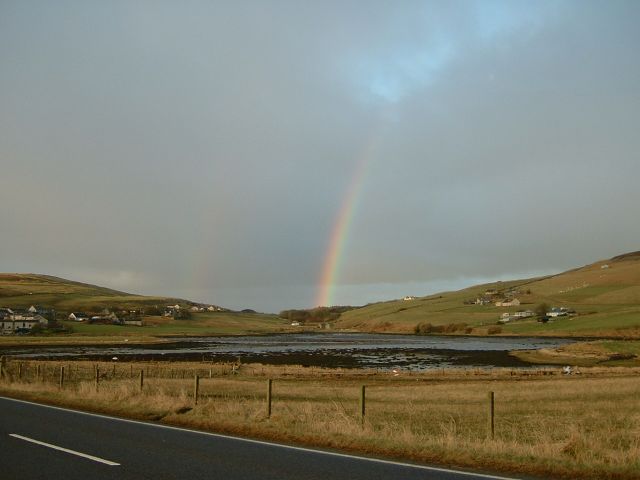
column 181, row 314
column 153, row 311
column 542, row 309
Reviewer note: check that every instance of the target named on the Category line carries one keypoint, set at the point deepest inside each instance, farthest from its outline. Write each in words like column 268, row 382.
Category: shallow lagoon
column 346, row 350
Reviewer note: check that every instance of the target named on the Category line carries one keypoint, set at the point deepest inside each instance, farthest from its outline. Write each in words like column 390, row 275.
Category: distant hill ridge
column 35, row 277
column 627, row 256
column 605, row 295
column 21, row 290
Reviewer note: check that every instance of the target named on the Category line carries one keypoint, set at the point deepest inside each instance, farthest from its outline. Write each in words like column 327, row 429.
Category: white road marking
column 271, row 444
column 66, row 450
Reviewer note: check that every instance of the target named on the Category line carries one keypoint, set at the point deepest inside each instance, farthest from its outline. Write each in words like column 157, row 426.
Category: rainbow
column 340, row 232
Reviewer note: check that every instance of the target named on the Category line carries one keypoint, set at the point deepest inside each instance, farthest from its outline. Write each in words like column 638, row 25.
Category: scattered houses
column 409, row 297
column 484, row 300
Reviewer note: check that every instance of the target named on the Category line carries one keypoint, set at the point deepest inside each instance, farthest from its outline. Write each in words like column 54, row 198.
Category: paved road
column 122, row 449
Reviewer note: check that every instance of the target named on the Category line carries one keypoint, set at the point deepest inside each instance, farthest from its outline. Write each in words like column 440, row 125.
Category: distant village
column 509, row 299
column 15, row 321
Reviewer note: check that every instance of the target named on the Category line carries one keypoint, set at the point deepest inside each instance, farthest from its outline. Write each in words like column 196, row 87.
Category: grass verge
column 549, row 425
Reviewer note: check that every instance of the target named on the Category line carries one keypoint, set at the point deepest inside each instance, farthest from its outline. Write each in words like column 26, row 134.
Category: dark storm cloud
column 205, row 149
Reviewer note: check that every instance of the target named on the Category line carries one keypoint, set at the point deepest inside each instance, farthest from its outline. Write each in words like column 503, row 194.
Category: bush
column 424, row 328
column 36, row 329
column 153, row 311
column 542, row 309
column 181, row 314
column 494, row 330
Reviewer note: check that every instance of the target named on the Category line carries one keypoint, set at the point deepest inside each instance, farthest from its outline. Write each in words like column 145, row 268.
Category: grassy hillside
column 24, row 290
column 19, row 290
column 605, row 295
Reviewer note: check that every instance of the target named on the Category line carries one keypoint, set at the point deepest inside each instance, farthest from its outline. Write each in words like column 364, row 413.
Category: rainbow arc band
column 334, row 257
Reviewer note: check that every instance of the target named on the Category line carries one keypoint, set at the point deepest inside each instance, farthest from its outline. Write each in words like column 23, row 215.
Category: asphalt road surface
column 41, row 442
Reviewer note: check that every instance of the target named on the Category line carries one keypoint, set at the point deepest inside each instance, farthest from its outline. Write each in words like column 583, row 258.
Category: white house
column 79, row 316
column 9, row 325
column 507, row 317
column 559, row 312
column 137, row 323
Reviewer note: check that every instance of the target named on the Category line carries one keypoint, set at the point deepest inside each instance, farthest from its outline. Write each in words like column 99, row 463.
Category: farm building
column 514, row 302
column 11, row 323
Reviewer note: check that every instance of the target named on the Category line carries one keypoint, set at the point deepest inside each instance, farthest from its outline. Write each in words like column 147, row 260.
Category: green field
column 209, row 323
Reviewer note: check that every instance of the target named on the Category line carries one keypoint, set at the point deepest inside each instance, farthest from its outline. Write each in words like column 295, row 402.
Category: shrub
column 423, row 328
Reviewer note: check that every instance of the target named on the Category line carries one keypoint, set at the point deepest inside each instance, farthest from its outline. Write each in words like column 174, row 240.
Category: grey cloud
column 206, row 148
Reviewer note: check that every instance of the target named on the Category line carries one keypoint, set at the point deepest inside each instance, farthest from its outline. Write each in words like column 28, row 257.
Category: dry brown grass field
column 546, row 424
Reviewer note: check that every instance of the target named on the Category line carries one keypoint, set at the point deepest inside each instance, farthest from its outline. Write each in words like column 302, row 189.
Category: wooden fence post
column 3, row 363
column 97, row 379
column 196, row 388
column 141, row 378
column 61, row 377
column 362, row 403
column 491, row 424
column 269, row 383
column 38, row 371
column 20, row 371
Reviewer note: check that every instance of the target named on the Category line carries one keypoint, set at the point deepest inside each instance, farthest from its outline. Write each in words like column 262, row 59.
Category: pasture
column 546, row 423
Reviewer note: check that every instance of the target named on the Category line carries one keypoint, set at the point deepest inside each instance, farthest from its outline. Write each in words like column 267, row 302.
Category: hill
column 20, row 290
column 605, row 296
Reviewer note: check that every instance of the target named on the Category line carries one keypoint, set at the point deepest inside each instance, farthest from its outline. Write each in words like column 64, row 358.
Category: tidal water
column 345, row 350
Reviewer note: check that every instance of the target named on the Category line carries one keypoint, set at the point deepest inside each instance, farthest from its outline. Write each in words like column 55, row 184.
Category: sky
column 288, row 154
